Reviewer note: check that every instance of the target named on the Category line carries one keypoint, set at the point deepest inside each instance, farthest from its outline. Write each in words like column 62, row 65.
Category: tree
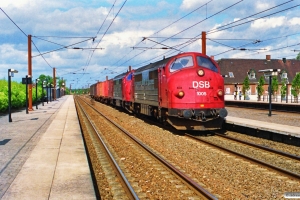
column 296, row 87
column 274, row 86
column 246, row 86
column 260, row 87
column 283, row 88
column 43, row 78
column 298, row 56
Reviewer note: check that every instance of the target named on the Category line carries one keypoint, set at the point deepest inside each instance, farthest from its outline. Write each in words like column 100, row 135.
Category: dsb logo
column 201, row 84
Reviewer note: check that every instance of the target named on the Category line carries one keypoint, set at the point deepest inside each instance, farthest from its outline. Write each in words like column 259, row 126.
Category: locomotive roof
column 153, row 66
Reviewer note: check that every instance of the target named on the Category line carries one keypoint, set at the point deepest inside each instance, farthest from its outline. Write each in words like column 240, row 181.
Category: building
column 238, row 69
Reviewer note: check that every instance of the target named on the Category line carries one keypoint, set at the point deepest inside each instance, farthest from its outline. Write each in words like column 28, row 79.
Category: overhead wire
column 215, row 29
column 64, row 47
column 14, row 23
column 246, row 22
column 106, row 31
column 41, row 55
column 160, row 31
column 183, row 31
column 253, row 19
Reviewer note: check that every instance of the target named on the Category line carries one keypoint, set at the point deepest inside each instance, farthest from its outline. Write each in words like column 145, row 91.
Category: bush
column 18, row 95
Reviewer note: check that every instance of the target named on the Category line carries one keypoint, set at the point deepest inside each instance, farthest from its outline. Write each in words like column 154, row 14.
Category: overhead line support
column 29, row 74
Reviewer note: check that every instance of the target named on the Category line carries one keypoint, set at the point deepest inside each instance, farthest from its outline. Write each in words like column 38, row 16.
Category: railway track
column 284, row 163
column 148, row 174
column 225, row 175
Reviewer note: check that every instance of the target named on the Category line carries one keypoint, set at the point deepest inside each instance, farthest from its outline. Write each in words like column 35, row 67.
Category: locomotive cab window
column 129, row 77
column 182, row 62
column 206, row 62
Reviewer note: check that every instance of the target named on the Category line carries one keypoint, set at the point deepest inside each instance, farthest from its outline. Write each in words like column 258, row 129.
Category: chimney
column 106, row 77
column 268, row 57
column 129, row 68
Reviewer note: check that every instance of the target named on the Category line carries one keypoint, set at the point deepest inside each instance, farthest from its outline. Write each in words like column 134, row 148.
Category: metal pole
column 26, row 94
column 9, row 96
column 36, row 85
column 50, row 92
column 287, row 95
column 204, row 42
column 47, row 91
column 43, row 93
column 29, row 73
column 270, row 96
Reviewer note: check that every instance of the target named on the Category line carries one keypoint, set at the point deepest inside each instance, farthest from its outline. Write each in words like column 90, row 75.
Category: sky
column 89, row 40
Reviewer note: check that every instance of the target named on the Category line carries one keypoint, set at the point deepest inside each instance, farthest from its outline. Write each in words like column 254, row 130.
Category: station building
column 236, row 71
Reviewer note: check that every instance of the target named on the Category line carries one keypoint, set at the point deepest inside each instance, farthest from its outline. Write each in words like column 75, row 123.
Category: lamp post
column 270, row 73
column 10, row 74
column 63, row 88
column 46, row 84
column 36, row 86
column 50, row 91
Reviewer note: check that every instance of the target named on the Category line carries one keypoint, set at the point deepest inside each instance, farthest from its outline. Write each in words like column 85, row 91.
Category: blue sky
column 263, row 27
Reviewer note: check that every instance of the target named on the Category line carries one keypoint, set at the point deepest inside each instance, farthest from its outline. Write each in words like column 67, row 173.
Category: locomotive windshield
column 182, row 62
column 206, row 62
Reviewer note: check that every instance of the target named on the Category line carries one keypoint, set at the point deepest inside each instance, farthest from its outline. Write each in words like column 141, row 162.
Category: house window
column 251, row 74
column 284, row 75
column 231, row 75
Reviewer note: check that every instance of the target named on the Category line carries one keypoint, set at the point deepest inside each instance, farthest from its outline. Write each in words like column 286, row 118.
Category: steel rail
column 184, row 177
column 125, row 181
column 260, row 147
column 283, row 171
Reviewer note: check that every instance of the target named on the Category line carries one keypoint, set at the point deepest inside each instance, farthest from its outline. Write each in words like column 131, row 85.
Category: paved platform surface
column 279, row 122
column 43, row 155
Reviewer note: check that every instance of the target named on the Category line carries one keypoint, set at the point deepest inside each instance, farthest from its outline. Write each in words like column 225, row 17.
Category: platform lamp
column 10, row 74
column 36, row 86
column 270, row 73
column 50, row 91
column 45, row 84
column 63, row 86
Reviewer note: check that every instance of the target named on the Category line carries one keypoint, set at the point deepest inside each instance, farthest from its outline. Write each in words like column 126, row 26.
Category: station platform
column 280, row 126
column 266, row 126
column 43, row 154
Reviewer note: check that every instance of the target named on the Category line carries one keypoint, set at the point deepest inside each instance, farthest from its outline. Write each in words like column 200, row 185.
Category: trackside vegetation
column 18, row 95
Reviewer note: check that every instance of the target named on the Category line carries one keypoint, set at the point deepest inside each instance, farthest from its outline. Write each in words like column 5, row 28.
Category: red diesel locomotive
column 186, row 90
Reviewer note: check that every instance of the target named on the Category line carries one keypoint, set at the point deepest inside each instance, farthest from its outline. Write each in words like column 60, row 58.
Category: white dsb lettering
column 201, row 84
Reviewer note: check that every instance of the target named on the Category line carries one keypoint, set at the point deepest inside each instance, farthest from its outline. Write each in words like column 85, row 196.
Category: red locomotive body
column 185, row 90
column 107, row 91
column 192, row 88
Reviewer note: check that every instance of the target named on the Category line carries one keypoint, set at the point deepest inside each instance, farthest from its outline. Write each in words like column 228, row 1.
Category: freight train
column 185, row 90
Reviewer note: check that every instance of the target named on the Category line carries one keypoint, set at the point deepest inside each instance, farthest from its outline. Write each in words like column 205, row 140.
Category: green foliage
column 296, row 86
column 275, row 85
column 18, row 95
column 260, row 86
column 283, row 87
column 298, row 56
column 246, row 86
column 3, row 101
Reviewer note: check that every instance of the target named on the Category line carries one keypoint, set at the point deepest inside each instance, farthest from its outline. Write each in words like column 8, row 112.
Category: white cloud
column 295, row 21
column 262, row 5
column 14, row 3
column 188, row 4
column 269, row 23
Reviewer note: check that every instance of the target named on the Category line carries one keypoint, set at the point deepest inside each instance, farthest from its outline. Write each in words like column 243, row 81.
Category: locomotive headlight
column 181, row 94
column 200, row 72
column 220, row 93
